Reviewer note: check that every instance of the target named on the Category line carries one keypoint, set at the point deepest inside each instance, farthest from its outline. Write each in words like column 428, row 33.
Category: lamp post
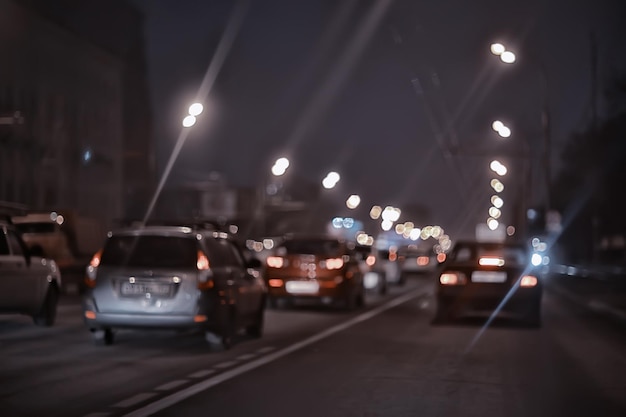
column 509, row 57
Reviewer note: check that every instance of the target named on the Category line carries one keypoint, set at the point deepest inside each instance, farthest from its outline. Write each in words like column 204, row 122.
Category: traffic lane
column 59, row 371
column 398, row 364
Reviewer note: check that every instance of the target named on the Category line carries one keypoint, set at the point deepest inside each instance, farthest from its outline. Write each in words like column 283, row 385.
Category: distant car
column 489, row 277
column 322, row 269
column 418, row 259
column 389, row 262
column 29, row 284
column 170, row 277
column 374, row 276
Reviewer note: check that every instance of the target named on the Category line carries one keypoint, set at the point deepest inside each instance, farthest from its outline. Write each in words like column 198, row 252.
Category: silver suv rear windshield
column 150, row 252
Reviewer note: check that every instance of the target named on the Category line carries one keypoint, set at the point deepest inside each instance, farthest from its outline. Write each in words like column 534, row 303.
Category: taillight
column 441, row 257
column 92, row 268
column 203, row 262
column 275, row 262
column 528, row 281
column 371, row 260
column 491, row 261
column 333, row 263
column 452, row 278
column 423, row 260
column 205, row 278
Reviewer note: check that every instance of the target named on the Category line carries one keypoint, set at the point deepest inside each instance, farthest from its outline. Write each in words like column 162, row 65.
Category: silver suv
column 171, row 277
column 28, row 284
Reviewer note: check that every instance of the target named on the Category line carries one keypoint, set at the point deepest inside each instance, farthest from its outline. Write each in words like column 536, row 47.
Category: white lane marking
column 202, row 374
column 179, row 396
column 266, row 349
column 225, row 364
column 172, row 385
column 246, row 356
column 129, row 402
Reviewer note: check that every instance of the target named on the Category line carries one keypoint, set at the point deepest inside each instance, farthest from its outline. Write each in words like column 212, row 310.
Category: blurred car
column 418, row 259
column 389, row 262
column 45, row 237
column 323, row 269
column 29, row 284
column 374, row 277
column 489, row 277
column 171, row 277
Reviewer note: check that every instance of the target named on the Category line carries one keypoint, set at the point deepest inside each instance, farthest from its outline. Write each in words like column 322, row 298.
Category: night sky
column 398, row 97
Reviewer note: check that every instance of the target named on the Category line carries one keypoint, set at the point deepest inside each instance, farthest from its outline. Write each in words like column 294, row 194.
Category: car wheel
column 382, row 290
column 444, row 313
column 256, row 330
column 229, row 329
column 103, row 337
column 47, row 314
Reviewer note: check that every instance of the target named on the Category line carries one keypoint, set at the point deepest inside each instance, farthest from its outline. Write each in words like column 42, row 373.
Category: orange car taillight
column 452, row 278
column 275, row 262
column 92, row 268
column 205, row 278
column 423, row 260
column 528, row 281
column 332, row 263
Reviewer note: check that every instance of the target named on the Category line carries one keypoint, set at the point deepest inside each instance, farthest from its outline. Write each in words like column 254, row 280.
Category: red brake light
column 203, row 262
column 333, row 263
column 275, row 262
column 95, row 261
column 423, row 260
column 371, row 260
column 528, row 281
column 452, row 278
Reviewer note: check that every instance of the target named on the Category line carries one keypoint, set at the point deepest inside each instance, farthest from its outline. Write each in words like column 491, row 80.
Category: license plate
column 145, row 288
column 488, row 276
column 302, row 287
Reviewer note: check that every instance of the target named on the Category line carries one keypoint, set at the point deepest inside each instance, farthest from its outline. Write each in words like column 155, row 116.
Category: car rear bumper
column 326, row 290
column 490, row 298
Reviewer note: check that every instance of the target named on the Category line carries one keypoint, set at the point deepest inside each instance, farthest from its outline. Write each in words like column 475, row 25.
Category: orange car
column 323, row 269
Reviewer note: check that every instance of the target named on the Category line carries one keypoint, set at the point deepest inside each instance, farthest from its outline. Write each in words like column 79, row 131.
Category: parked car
column 491, row 278
column 173, row 277
column 29, row 284
column 318, row 268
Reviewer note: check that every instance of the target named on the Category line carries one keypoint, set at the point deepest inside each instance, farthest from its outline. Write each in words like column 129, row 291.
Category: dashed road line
column 266, row 349
column 202, row 374
column 201, row 386
column 172, row 385
column 223, row 365
column 129, row 402
column 246, row 356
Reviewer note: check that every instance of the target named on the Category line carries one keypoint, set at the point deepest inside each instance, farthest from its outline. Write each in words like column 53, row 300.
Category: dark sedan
column 480, row 277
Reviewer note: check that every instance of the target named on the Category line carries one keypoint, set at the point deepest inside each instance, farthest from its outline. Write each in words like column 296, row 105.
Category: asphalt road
column 386, row 360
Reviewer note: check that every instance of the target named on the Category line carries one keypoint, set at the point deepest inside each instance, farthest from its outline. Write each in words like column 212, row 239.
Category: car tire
column 256, row 330
column 444, row 313
column 103, row 337
column 229, row 329
column 46, row 316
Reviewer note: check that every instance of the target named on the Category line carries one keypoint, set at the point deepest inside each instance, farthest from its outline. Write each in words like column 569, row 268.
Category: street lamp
column 498, row 168
column 280, row 166
column 331, row 179
column 353, row 201
column 509, row 58
column 189, row 121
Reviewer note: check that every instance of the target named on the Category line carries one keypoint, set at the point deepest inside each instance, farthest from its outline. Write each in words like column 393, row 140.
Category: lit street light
column 189, row 121
column 280, row 167
column 507, row 57
column 195, row 109
column 498, row 168
column 353, row 201
column 330, row 180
